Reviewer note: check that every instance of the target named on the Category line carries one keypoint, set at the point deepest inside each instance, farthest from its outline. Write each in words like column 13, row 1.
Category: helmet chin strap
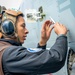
column 17, row 37
column 19, row 40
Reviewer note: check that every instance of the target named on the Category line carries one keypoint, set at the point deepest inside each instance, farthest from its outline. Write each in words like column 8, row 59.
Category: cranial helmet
column 8, row 24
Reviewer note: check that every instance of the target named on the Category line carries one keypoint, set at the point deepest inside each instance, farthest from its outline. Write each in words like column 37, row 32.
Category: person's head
column 13, row 25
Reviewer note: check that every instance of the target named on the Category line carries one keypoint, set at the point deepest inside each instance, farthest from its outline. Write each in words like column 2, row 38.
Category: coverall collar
column 11, row 42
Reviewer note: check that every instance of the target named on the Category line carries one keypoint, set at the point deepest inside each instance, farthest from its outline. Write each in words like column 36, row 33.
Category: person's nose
column 26, row 31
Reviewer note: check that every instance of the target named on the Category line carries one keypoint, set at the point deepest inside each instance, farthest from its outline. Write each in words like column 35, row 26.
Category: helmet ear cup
column 7, row 27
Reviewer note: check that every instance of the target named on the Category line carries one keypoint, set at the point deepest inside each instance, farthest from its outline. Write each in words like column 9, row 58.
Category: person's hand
column 60, row 29
column 45, row 32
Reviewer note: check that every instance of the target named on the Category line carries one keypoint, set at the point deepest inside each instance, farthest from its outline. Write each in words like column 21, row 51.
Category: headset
column 8, row 27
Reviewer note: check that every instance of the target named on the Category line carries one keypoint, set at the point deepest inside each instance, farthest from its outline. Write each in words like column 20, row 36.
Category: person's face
column 21, row 29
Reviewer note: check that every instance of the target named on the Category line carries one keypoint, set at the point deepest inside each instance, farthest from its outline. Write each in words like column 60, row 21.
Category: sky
column 10, row 3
